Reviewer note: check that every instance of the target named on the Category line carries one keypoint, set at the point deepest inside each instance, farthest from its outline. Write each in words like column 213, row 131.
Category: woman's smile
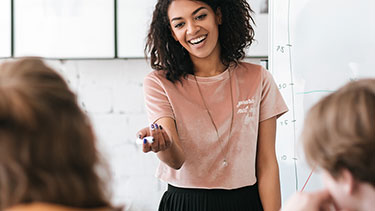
column 198, row 40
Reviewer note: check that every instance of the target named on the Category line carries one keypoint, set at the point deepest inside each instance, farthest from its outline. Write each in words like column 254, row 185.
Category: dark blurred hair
column 47, row 146
column 235, row 34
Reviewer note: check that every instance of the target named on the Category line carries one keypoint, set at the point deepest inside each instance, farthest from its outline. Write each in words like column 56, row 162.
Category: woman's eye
column 201, row 17
column 179, row 25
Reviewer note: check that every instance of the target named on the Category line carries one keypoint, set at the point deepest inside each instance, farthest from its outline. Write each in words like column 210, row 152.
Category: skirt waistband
column 246, row 189
column 198, row 199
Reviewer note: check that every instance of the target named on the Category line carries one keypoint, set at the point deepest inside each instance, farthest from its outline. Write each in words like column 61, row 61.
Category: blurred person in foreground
column 339, row 138
column 48, row 156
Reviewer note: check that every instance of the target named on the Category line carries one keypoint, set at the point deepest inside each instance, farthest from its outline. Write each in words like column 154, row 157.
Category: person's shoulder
column 158, row 76
column 249, row 65
column 41, row 206
column 247, row 68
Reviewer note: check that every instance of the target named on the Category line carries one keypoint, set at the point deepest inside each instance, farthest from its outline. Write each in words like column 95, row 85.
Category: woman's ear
column 218, row 16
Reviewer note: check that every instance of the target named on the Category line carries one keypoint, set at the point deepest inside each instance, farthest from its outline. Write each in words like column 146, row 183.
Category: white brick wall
column 112, row 94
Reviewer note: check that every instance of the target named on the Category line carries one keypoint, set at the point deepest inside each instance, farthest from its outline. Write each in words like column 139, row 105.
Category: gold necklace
column 225, row 162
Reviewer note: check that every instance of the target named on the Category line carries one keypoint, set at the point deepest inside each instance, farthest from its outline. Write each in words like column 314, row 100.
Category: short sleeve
column 156, row 98
column 272, row 103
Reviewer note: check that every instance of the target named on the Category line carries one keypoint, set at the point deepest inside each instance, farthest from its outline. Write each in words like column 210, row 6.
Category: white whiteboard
column 133, row 21
column 5, row 27
column 316, row 47
column 64, row 29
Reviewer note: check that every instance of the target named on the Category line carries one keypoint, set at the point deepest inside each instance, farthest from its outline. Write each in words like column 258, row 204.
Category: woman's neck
column 210, row 65
column 209, row 69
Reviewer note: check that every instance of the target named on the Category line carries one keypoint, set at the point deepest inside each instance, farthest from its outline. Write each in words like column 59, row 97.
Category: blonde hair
column 47, row 146
column 339, row 131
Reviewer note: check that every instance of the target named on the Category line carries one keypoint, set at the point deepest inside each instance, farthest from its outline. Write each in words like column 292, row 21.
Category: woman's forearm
column 269, row 187
column 173, row 156
column 267, row 167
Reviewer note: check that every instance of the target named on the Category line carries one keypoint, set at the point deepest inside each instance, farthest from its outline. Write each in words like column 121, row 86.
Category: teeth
column 197, row 40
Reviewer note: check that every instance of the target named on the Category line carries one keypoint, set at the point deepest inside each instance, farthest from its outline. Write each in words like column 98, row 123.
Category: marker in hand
column 148, row 139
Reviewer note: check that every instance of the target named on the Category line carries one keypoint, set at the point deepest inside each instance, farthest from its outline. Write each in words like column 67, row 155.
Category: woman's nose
column 192, row 28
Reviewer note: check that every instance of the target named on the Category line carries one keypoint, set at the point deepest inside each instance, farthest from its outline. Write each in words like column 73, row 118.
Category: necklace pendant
column 225, row 163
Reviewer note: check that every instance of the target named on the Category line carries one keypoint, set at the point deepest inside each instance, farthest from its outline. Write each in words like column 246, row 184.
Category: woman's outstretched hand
column 158, row 136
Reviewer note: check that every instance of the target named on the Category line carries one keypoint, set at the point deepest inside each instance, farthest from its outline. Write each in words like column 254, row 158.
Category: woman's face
column 338, row 190
column 195, row 26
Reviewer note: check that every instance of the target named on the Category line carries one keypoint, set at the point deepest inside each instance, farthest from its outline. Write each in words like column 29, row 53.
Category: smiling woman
column 197, row 31
column 167, row 53
column 213, row 117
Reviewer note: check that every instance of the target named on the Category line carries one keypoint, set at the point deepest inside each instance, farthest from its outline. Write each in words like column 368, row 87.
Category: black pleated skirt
column 191, row 199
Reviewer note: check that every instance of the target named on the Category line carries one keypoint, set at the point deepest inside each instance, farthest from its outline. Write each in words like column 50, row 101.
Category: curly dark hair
column 235, row 34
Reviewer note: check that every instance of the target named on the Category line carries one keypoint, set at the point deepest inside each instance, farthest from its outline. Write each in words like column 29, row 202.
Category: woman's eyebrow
column 193, row 13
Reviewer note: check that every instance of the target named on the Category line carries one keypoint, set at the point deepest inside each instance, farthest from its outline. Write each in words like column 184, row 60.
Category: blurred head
column 339, row 137
column 223, row 26
column 47, row 146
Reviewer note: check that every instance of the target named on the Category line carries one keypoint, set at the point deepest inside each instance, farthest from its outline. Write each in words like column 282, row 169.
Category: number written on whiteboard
column 280, row 48
column 284, row 122
column 282, row 86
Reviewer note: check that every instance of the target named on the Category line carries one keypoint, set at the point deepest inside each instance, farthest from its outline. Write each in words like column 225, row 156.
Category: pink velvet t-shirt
column 255, row 99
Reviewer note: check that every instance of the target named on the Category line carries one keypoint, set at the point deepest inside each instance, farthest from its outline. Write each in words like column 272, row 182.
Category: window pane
column 134, row 18
column 64, row 29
